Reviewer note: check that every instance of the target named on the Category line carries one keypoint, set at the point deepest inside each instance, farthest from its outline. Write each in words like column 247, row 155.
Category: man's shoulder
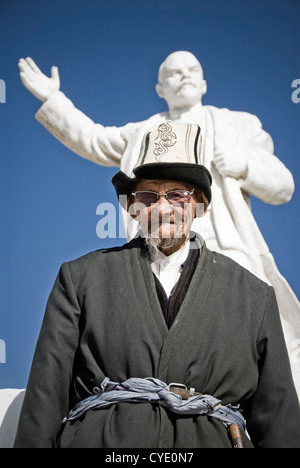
column 236, row 274
column 104, row 255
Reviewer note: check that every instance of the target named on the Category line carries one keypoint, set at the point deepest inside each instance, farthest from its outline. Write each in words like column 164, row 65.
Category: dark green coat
column 103, row 319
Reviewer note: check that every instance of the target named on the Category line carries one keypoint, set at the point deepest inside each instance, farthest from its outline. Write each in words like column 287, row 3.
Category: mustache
column 157, row 243
column 167, row 218
column 186, row 82
column 162, row 219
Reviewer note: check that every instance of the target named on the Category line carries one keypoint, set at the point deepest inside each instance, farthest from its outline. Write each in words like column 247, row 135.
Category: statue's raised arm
column 36, row 82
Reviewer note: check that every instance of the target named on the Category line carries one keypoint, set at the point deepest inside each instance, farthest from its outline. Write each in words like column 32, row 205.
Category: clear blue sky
column 108, row 53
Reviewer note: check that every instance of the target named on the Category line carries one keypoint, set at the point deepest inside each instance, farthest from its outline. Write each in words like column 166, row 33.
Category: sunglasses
column 149, row 198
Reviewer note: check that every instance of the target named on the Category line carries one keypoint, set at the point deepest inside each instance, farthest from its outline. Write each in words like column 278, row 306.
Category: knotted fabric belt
column 174, row 397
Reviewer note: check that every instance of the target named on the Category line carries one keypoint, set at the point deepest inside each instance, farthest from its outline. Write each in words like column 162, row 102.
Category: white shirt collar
column 168, row 268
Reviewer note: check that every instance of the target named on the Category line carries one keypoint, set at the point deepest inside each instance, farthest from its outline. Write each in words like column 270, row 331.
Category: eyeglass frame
column 190, row 192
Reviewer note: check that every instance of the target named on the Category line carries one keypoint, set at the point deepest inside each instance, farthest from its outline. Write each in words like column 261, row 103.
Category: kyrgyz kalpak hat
column 169, row 151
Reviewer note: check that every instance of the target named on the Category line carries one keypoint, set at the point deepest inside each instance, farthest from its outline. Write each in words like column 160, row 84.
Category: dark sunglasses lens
column 179, row 196
column 147, row 198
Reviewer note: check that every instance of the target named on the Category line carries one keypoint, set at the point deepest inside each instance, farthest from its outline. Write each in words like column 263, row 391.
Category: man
column 235, row 148
column 156, row 343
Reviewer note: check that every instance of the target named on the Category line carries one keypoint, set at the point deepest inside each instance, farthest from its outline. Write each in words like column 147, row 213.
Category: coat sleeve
column 99, row 144
column 273, row 416
column 46, row 400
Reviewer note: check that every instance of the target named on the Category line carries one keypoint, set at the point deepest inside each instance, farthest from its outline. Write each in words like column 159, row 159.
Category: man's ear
column 204, row 87
column 159, row 90
column 201, row 205
column 201, row 209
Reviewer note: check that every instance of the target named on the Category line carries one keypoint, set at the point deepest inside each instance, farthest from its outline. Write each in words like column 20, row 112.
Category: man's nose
column 185, row 72
column 162, row 204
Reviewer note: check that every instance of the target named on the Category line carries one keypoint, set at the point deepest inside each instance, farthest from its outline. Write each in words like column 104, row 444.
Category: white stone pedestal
column 11, row 400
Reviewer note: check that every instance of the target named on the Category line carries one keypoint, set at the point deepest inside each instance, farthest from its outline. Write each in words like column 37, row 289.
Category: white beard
column 158, row 243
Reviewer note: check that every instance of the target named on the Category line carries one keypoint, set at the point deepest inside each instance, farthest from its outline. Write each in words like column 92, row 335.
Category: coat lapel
column 168, row 342
column 191, row 312
column 143, row 284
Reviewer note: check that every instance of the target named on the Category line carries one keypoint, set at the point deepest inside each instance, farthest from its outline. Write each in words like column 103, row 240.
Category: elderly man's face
column 169, row 224
column 181, row 81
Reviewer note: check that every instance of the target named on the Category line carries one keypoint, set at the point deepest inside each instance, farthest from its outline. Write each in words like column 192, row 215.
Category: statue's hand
column 231, row 164
column 36, row 82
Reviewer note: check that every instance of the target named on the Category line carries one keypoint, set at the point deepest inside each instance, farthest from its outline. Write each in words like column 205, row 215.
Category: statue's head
column 180, row 81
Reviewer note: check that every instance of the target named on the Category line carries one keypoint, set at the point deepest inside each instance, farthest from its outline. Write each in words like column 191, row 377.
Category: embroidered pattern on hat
column 167, row 139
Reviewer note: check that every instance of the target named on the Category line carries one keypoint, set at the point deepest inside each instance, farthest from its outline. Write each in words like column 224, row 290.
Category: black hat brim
column 194, row 174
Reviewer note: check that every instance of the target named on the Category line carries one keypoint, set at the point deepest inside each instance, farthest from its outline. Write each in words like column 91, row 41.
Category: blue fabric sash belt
column 136, row 390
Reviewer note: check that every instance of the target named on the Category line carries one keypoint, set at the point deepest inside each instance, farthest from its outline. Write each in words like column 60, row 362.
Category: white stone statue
column 235, row 148
column 11, row 401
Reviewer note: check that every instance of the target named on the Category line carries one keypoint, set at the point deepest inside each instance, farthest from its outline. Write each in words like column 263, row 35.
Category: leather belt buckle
column 182, row 390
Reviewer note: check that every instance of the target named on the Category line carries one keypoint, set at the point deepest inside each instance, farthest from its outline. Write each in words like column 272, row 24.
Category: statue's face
column 181, row 81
